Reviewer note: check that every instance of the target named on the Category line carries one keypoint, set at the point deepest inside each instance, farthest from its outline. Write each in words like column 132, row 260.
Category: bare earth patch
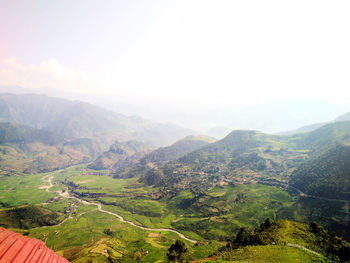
column 153, row 235
column 86, row 181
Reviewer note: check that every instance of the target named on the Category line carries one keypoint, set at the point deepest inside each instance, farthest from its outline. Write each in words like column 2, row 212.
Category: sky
column 183, row 56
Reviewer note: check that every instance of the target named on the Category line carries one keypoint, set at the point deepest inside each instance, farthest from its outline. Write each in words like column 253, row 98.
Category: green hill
column 326, row 137
column 178, row 149
column 327, row 175
column 162, row 155
column 241, row 157
column 26, row 217
column 284, row 241
column 251, row 157
column 119, row 155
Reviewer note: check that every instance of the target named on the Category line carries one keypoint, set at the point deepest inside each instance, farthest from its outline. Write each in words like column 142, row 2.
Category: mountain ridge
column 78, row 119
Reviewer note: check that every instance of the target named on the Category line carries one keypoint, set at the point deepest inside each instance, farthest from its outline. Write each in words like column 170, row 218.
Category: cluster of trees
column 108, row 232
column 30, row 216
column 327, row 175
column 335, row 247
column 177, row 251
column 250, row 238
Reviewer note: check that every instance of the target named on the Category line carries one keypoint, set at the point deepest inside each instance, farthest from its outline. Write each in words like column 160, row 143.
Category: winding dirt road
column 47, row 179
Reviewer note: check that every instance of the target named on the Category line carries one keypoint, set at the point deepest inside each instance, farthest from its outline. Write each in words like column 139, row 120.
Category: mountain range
column 76, row 119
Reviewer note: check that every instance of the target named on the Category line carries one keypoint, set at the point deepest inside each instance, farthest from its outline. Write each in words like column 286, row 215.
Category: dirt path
column 47, row 179
column 304, row 248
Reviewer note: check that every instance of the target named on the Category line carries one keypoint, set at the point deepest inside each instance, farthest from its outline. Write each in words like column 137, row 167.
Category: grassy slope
column 287, row 241
column 28, row 216
column 269, row 254
column 327, row 175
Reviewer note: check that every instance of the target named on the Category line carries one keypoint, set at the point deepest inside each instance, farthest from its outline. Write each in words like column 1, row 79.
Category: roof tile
column 17, row 248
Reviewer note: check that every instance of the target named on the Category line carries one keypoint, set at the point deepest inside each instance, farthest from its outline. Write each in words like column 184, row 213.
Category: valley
column 174, row 131
column 128, row 200
column 48, row 180
column 139, row 222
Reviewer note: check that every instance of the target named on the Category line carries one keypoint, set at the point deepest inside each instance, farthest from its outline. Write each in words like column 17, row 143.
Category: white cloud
column 48, row 74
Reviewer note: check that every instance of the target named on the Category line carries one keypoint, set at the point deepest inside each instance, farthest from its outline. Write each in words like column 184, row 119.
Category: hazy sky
column 190, row 53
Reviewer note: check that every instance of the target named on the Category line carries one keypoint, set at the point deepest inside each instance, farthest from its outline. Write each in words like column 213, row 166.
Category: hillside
column 327, row 175
column 315, row 126
column 241, row 157
column 284, row 241
column 78, row 119
column 304, row 129
column 344, row 117
column 119, row 155
column 316, row 163
column 20, row 134
column 162, row 155
column 28, row 150
column 326, row 137
column 26, row 217
column 178, row 149
column 248, row 157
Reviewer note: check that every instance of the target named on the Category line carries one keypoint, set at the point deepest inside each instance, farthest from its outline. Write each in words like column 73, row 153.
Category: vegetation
column 210, row 191
column 268, row 253
column 177, row 251
column 311, row 238
column 162, row 155
column 27, row 217
column 327, row 175
column 119, row 155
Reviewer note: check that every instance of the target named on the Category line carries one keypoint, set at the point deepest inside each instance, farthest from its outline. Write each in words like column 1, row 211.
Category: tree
column 243, row 237
column 315, row 228
column 177, row 251
column 108, row 231
column 267, row 223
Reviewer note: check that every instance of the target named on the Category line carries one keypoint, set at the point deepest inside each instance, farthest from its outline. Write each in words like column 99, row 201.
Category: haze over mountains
column 47, row 133
column 217, row 120
column 29, row 150
column 76, row 119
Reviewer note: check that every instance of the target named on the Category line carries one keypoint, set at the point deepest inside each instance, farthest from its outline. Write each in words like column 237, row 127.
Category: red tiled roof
column 21, row 249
